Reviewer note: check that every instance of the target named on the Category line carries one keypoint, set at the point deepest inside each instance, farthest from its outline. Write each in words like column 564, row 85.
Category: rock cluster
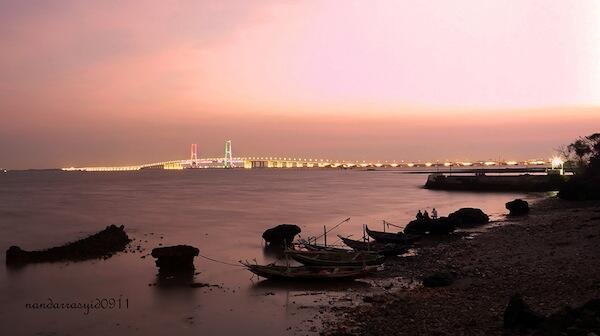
column 517, row 207
column 465, row 217
column 442, row 225
column 281, row 235
column 175, row 259
column 100, row 245
column 468, row 217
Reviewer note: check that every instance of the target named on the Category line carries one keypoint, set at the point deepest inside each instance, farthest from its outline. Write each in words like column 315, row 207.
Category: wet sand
column 551, row 257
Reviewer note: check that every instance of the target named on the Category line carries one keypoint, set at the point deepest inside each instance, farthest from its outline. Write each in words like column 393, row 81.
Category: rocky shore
column 551, row 257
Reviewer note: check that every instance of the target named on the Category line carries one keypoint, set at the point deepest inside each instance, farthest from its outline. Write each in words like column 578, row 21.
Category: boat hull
column 316, row 273
column 389, row 238
column 383, row 249
column 325, row 258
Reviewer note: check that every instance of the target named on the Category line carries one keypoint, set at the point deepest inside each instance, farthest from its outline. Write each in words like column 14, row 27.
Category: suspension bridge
column 228, row 161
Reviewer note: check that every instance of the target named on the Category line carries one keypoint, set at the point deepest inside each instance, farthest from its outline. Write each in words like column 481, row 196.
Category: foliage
column 585, row 185
column 585, row 151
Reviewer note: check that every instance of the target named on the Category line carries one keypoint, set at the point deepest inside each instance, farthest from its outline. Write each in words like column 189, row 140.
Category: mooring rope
column 219, row 261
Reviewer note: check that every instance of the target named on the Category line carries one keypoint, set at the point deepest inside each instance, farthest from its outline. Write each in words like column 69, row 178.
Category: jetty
column 480, row 181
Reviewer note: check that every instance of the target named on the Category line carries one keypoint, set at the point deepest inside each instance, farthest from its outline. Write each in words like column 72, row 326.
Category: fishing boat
column 389, row 237
column 277, row 272
column 383, row 249
column 327, row 258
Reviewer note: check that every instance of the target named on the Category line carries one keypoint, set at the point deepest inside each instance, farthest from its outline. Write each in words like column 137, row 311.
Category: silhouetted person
column 419, row 215
column 434, row 214
column 426, row 215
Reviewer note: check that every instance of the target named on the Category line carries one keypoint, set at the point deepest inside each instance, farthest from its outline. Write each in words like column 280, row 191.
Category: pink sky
column 117, row 82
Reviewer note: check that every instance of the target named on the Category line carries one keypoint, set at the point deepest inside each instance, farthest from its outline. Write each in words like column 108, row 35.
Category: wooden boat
column 277, row 272
column 383, row 249
column 326, row 258
column 389, row 237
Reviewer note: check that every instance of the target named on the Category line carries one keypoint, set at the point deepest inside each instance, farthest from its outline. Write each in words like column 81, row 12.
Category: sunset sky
column 118, row 82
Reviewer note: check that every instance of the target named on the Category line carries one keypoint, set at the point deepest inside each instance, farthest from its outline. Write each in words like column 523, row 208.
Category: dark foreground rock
column 468, row 217
column 518, row 315
column 175, row 259
column 581, row 321
column 517, row 207
column 439, row 279
column 282, row 234
column 100, row 245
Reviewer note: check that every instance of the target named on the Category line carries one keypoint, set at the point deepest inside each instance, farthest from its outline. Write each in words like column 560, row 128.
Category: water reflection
column 274, row 252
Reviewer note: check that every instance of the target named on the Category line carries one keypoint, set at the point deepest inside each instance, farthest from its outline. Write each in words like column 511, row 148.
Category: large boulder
column 517, row 207
column 518, row 315
column 174, row 259
column 281, row 235
column 442, row 225
column 468, row 217
column 102, row 244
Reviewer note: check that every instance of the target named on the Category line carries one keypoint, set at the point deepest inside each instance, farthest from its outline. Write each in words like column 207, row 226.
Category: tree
column 585, row 185
column 586, row 152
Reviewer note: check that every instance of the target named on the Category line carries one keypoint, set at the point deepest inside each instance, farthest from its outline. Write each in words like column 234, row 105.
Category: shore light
column 556, row 162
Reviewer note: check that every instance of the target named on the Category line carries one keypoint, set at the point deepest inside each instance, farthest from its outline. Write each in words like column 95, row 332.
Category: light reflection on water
column 222, row 212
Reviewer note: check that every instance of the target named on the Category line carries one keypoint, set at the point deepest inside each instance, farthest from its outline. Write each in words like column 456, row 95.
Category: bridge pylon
column 194, row 155
column 228, row 160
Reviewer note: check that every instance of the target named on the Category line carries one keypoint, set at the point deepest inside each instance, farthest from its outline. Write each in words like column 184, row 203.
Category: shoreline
column 550, row 256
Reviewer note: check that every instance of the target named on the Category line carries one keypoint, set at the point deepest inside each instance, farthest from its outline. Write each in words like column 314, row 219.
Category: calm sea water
column 222, row 212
